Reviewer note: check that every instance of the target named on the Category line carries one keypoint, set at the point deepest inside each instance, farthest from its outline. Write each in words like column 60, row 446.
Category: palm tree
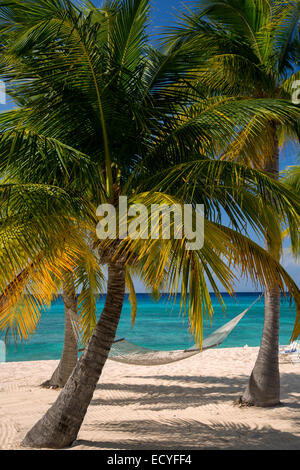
column 13, row 317
column 83, row 273
column 80, row 317
column 250, row 49
column 25, row 297
column 93, row 89
column 69, row 355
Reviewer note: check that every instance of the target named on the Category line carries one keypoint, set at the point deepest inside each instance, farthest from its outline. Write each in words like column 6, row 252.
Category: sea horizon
column 159, row 325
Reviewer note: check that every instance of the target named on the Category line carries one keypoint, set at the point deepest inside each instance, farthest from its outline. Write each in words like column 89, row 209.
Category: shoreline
column 169, row 330
column 184, row 405
column 55, row 361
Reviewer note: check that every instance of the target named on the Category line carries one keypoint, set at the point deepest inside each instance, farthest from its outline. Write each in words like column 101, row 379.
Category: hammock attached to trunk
column 129, row 353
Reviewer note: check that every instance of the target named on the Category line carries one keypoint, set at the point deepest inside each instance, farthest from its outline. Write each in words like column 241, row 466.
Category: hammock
column 129, row 353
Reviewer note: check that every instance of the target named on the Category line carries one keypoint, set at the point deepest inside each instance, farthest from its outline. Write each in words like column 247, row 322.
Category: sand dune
column 184, row 405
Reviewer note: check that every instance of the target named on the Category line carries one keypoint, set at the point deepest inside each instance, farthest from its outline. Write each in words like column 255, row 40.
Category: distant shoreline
column 169, row 329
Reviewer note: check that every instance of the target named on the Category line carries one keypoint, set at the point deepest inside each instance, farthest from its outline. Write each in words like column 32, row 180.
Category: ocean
column 159, row 325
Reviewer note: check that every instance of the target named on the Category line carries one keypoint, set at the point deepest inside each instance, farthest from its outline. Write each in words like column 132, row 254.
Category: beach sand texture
column 184, row 405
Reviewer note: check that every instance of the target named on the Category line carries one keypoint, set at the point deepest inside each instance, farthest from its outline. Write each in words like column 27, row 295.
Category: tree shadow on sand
column 169, row 392
column 185, row 394
column 188, row 434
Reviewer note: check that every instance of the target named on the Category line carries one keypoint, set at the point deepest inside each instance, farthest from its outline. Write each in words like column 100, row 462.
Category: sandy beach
column 184, row 405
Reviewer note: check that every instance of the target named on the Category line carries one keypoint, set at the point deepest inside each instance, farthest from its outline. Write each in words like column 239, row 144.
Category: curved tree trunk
column 69, row 356
column 264, row 384
column 60, row 425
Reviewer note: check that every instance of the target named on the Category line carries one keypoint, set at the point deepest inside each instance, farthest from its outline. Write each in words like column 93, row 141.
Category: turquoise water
column 158, row 326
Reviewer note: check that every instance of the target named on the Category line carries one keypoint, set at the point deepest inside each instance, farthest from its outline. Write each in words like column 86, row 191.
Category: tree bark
column 264, row 384
column 69, row 356
column 60, row 425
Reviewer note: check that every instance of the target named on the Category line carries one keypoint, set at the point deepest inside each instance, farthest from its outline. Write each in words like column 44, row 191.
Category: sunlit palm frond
column 30, row 293
column 89, row 282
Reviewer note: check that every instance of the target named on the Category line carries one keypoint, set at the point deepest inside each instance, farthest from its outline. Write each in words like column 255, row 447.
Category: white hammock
column 129, row 353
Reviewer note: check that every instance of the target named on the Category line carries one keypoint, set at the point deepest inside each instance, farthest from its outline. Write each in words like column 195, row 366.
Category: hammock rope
column 129, row 353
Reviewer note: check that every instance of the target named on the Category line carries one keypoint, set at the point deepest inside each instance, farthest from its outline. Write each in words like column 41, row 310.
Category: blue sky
column 163, row 14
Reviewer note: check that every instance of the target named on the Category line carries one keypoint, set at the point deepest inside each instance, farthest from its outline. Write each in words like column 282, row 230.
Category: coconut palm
column 80, row 310
column 80, row 316
column 250, row 49
column 40, row 276
column 80, row 313
column 69, row 355
column 28, row 209
column 90, row 87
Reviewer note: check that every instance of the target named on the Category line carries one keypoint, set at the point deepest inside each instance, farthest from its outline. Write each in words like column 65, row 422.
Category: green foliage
column 101, row 113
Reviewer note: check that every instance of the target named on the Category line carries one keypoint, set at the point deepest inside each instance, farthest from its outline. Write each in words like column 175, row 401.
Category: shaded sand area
column 184, row 405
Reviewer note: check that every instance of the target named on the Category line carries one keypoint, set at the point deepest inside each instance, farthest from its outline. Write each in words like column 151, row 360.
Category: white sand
column 184, row 405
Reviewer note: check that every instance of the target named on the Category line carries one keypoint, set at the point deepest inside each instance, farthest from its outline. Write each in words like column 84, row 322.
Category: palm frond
column 132, row 295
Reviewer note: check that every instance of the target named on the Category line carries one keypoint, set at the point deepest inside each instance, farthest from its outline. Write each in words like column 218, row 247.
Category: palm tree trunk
column 60, row 425
column 264, row 384
column 69, row 356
